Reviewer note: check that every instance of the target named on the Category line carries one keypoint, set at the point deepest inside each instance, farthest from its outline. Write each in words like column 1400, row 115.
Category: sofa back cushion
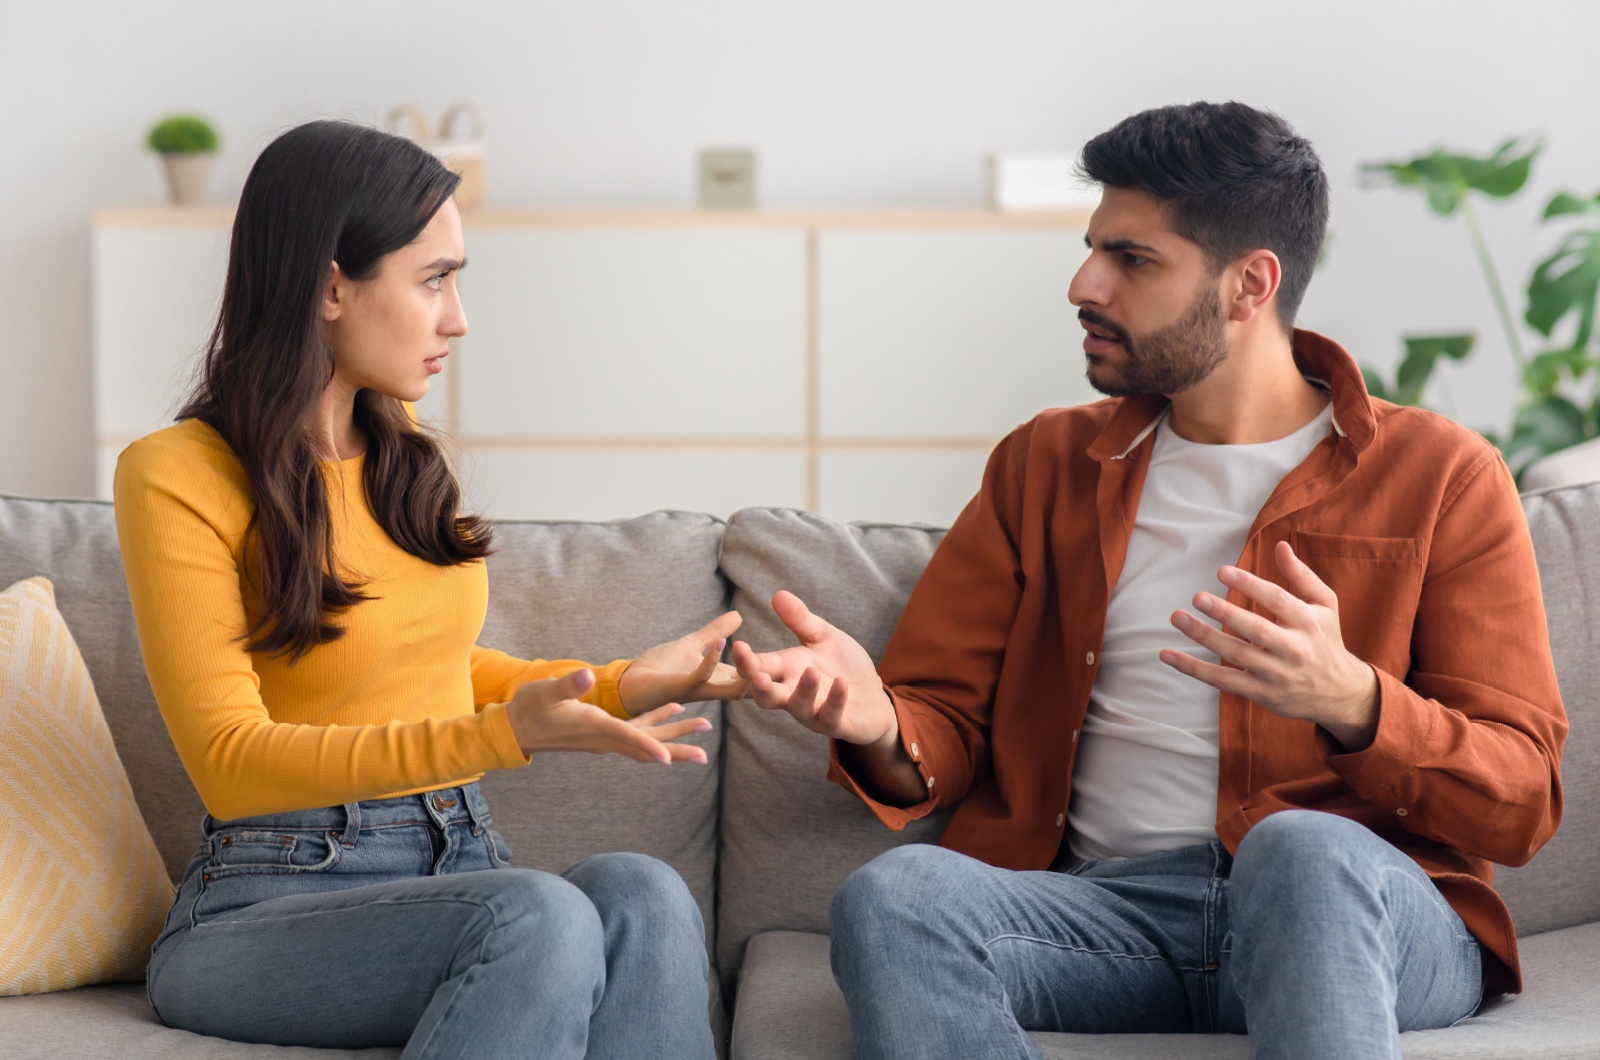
column 1557, row 888
column 602, row 591
column 790, row 837
column 74, row 544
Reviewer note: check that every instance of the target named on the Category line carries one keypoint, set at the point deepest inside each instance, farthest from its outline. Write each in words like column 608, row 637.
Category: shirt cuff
column 894, row 817
column 1385, row 771
column 605, row 693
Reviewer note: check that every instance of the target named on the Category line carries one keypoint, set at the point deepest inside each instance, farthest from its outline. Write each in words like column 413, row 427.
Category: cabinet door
column 611, row 370
column 932, row 344
column 157, row 290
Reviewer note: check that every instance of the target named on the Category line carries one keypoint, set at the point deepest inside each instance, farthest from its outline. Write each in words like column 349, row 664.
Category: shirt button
column 1089, row 659
column 1074, row 735
column 914, row 751
column 1402, row 811
column 930, row 782
column 1061, row 819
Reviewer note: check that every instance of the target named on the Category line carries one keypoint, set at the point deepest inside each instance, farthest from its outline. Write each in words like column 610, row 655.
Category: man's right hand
column 828, row 684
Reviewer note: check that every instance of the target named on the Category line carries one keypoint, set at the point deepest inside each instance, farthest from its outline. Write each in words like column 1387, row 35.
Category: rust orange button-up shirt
column 1412, row 520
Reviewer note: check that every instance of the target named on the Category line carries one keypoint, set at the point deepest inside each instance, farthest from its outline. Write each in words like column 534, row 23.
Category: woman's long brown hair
column 323, row 192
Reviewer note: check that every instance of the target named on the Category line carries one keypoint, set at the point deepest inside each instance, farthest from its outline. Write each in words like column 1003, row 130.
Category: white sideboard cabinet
column 859, row 364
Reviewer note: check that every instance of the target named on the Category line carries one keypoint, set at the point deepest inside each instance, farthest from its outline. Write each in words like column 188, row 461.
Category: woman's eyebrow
column 444, row 265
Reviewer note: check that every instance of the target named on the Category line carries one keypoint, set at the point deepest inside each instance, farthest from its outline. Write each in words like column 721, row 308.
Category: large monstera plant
column 1559, row 405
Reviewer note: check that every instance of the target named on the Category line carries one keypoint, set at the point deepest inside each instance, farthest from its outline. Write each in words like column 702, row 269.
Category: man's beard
column 1169, row 360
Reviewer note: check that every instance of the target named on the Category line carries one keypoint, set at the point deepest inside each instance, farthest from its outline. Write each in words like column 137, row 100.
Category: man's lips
column 1098, row 340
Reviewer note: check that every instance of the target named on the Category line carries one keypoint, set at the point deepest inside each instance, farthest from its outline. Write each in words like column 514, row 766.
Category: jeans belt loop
column 352, row 825
column 477, row 806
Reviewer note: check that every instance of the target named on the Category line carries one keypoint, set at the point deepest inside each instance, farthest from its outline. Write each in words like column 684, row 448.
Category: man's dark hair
column 1234, row 179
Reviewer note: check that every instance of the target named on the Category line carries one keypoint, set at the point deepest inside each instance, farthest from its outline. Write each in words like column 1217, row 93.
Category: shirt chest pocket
column 1378, row 581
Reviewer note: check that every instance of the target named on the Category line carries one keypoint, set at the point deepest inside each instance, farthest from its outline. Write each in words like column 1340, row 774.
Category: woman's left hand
column 685, row 670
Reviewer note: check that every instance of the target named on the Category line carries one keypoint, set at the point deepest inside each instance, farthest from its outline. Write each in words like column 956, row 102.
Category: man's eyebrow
column 1116, row 246
column 445, row 265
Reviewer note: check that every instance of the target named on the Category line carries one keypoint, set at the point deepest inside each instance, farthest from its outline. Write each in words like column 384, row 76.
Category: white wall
column 886, row 103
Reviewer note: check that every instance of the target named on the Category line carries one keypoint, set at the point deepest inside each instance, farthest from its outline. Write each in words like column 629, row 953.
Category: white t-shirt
column 1146, row 774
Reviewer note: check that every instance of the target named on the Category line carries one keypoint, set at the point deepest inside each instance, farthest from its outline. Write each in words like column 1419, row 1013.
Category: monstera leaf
column 1446, row 178
column 1416, row 367
column 1568, row 281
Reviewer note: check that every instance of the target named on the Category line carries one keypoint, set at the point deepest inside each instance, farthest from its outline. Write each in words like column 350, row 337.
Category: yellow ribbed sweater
column 405, row 701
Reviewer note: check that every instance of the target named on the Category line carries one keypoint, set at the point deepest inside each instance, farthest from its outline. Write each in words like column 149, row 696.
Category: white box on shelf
column 1038, row 180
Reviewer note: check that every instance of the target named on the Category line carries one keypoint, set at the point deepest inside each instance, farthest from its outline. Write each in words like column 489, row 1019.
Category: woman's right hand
column 549, row 716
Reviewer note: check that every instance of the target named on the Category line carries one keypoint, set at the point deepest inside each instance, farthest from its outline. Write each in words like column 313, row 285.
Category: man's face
column 1148, row 302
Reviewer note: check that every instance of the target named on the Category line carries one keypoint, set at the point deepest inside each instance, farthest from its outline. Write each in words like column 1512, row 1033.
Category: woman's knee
column 622, row 884
column 542, row 915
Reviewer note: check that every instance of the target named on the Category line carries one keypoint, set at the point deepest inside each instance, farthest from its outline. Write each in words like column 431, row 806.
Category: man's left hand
column 1296, row 666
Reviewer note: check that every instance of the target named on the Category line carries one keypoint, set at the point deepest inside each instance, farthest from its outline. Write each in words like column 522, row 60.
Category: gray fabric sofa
column 760, row 837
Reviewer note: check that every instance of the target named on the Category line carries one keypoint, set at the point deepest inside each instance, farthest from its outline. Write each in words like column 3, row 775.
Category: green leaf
column 1376, row 387
column 1567, row 203
column 1547, row 425
column 1422, row 354
column 1543, row 373
column 1503, row 173
column 1455, row 347
column 1568, row 281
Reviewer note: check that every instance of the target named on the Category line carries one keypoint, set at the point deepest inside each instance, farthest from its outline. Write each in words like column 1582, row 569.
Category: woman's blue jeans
column 401, row 922
column 1318, row 937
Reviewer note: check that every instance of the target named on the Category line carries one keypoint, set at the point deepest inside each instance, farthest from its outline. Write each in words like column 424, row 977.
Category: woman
column 308, row 601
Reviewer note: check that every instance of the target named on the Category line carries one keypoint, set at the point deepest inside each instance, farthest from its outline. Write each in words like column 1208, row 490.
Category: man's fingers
column 1224, row 678
column 1302, row 579
column 803, row 698
column 1220, row 644
column 1247, row 624
column 792, row 612
column 1279, row 602
column 830, row 715
column 748, row 662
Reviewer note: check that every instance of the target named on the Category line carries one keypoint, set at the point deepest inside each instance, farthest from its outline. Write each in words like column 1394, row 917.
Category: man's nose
column 1088, row 285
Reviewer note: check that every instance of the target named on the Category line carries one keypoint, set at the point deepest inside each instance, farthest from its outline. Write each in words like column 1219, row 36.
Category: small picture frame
column 727, row 179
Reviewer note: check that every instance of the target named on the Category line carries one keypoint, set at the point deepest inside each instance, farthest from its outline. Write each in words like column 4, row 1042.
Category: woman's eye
column 436, row 281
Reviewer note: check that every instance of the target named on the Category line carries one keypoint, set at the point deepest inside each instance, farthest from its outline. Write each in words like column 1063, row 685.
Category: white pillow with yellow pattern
column 84, row 889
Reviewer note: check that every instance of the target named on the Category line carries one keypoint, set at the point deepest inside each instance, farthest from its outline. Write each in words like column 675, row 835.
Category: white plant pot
column 186, row 177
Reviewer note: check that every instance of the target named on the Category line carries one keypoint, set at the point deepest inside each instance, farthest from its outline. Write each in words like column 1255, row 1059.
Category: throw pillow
column 83, row 891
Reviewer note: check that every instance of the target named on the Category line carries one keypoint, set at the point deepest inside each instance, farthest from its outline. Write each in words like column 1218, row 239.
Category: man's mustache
column 1089, row 316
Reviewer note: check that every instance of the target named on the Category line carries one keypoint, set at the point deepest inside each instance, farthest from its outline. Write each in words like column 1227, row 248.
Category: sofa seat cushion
column 117, row 1021
column 790, row 1008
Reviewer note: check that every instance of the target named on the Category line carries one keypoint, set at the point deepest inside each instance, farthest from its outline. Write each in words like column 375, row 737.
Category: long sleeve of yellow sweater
column 404, row 701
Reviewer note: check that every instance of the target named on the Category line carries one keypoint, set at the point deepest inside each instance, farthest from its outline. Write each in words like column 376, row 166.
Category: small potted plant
column 186, row 145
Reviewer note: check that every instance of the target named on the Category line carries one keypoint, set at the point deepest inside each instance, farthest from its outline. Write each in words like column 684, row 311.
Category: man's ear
column 1257, row 277
column 335, row 293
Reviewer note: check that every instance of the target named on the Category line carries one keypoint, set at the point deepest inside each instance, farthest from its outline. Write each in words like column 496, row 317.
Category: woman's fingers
column 631, row 740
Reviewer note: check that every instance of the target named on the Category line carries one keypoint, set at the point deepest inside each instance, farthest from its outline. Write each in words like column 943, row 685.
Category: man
column 1280, row 819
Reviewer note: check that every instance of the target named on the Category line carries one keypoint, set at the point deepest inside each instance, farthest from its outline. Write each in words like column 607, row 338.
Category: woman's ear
column 334, row 294
column 1259, row 275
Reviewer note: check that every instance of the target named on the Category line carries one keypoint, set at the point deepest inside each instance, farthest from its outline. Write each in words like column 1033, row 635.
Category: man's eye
column 1133, row 260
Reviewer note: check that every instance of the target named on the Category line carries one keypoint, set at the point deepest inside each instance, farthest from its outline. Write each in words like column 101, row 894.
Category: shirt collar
column 1322, row 361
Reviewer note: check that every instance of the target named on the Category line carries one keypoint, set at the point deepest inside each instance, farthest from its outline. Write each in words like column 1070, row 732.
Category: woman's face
column 390, row 331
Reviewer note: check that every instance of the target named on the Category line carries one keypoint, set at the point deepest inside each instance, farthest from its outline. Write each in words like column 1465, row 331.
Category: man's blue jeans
column 400, row 921
column 1319, row 937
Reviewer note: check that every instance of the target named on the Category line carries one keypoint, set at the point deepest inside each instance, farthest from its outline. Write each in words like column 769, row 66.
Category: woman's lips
column 435, row 364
